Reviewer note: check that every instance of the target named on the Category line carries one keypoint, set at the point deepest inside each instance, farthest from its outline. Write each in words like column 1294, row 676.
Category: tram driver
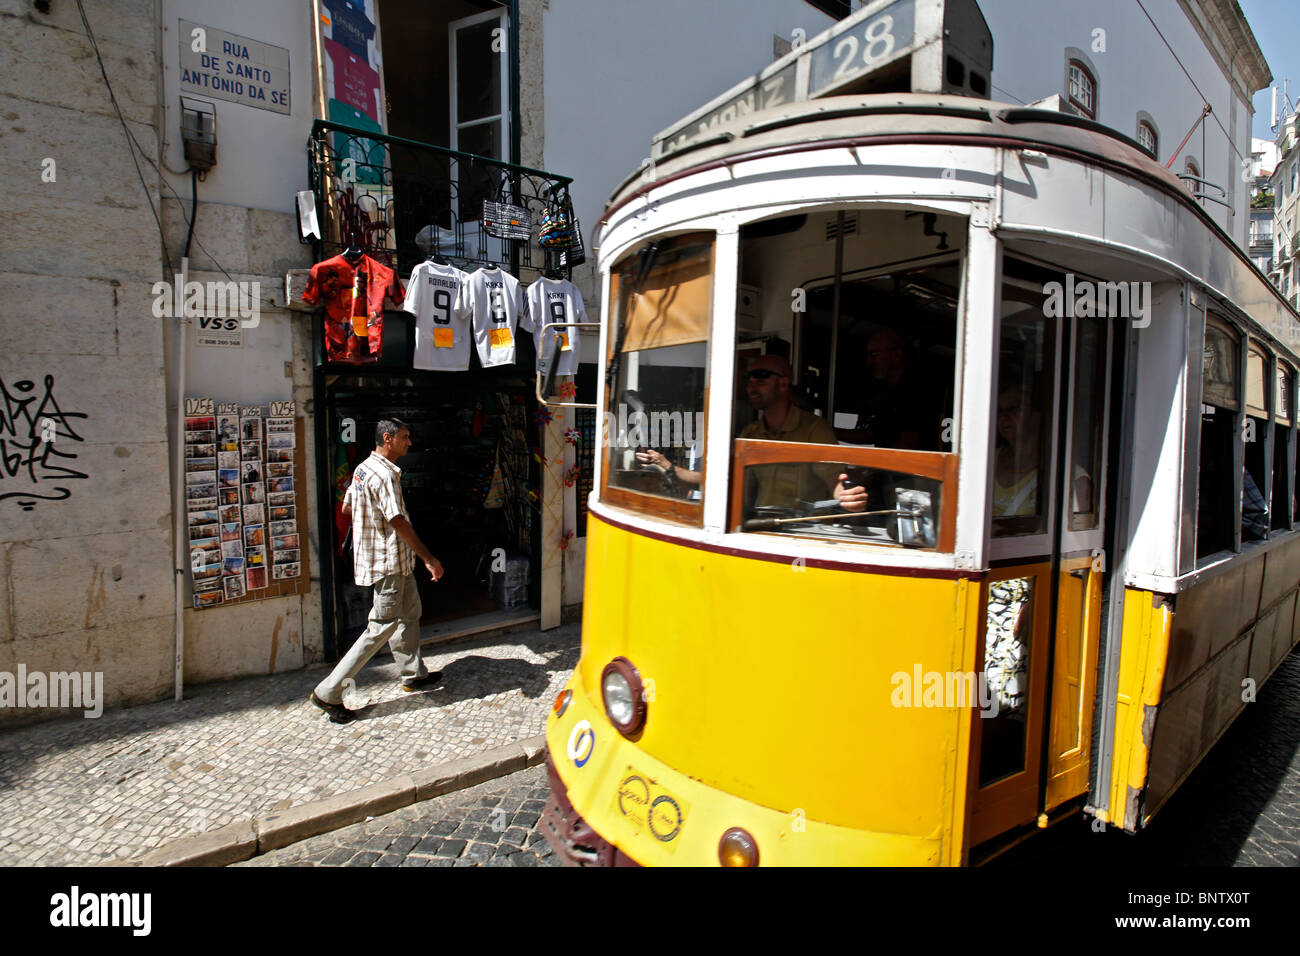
column 767, row 385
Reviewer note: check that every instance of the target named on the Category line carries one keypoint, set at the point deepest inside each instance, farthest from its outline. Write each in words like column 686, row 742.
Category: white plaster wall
column 1136, row 72
column 619, row 71
column 261, row 155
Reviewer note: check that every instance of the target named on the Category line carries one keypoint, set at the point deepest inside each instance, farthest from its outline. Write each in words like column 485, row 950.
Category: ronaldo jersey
column 435, row 296
column 496, row 301
column 552, row 301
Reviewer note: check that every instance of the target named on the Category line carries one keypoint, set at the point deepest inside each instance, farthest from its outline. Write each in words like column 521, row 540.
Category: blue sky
column 1276, row 25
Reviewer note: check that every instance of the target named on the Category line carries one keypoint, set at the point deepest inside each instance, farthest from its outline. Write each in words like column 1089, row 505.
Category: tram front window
column 657, row 375
column 857, row 309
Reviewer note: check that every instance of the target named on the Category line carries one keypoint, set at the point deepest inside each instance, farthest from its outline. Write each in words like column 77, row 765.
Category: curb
column 271, row 831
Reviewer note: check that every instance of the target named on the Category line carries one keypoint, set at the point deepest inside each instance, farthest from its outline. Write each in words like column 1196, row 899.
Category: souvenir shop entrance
column 470, row 484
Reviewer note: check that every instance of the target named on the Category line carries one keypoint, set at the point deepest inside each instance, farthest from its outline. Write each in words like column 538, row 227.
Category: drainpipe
column 178, row 496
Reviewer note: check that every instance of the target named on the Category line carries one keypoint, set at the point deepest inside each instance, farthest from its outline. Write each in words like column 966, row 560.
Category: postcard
column 281, row 571
column 285, row 542
column 254, row 494
column 256, row 578
column 233, row 586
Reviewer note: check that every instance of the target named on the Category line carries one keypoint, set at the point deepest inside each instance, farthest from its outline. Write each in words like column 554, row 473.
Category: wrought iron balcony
column 400, row 201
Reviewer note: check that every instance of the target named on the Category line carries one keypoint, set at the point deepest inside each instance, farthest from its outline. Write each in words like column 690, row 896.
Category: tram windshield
column 848, row 319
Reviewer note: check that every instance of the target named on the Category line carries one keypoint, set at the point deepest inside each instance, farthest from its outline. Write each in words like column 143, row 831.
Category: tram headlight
column 621, row 689
column 737, row 848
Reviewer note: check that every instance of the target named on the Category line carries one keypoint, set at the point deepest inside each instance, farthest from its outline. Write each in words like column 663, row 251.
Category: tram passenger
column 1015, row 463
column 906, row 414
column 1254, row 509
column 767, row 385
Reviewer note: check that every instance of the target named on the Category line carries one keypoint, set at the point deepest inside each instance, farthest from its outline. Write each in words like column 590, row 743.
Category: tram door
column 1042, row 600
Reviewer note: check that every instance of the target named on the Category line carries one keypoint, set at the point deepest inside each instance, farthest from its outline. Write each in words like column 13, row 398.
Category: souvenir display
column 228, row 481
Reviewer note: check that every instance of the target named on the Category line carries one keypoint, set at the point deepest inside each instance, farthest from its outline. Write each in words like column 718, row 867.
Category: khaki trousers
column 395, row 618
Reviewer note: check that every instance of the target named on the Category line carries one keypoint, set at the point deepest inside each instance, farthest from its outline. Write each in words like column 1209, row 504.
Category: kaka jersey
column 353, row 300
column 435, row 296
column 496, row 301
column 550, row 301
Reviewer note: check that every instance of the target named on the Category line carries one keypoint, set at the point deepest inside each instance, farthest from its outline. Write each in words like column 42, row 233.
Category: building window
column 1083, row 89
column 1295, row 170
column 1148, row 139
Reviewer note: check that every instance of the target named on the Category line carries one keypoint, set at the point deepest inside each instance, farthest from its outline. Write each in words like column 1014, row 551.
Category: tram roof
column 897, row 117
column 925, row 118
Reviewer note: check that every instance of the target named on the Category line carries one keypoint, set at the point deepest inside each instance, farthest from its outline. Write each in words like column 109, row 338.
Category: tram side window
column 1256, row 435
column 1216, row 510
column 1283, row 448
column 1024, row 409
column 661, row 297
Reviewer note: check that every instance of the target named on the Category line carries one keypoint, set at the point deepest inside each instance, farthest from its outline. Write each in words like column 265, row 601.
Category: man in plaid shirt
column 384, row 548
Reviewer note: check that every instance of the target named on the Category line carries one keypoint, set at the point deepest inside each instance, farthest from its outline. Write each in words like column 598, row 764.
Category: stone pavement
column 81, row 792
column 492, row 824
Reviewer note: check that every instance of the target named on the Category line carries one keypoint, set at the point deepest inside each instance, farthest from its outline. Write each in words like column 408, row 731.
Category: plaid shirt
column 376, row 497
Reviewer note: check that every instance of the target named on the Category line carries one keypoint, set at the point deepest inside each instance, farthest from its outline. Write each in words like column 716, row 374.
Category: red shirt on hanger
column 349, row 291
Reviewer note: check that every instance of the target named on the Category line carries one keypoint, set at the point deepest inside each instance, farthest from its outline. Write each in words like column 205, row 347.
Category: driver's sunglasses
column 763, row 374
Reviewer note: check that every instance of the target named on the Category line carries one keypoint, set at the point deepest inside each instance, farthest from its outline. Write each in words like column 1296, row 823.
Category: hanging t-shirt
column 355, row 83
column 435, row 296
column 354, row 299
column 496, row 300
column 350, row 26
column 555, row 300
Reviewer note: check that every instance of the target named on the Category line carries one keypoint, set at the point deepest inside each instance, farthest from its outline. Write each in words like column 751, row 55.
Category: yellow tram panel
column 839, row 741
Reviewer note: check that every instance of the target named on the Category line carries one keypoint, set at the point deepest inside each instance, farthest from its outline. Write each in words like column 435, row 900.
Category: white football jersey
column 435, row 295
column 556, row 300
column 496, row 300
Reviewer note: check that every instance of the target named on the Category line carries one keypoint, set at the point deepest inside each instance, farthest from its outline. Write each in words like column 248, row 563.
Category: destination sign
column 867, row 47
column 763, row 94
column 876, row 36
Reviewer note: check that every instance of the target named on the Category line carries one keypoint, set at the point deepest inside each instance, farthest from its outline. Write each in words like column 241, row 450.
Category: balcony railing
column 400, row 200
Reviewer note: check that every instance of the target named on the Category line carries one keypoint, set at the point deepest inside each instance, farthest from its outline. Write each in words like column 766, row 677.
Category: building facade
column 1285, row 183
column 227, row 147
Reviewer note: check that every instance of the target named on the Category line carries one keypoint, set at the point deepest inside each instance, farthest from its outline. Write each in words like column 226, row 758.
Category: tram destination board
column 863, row 53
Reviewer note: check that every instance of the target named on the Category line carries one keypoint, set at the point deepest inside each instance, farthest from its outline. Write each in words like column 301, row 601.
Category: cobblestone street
column 92, row 791
column 1240, row 807
column 493, row 824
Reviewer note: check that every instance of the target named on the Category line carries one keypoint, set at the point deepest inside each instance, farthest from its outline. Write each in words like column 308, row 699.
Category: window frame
column 685, row 512
column 1154, row 149
column 1086, row 72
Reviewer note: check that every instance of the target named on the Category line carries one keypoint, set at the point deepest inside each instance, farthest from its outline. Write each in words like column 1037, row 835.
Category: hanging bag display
column 503, row 220
column 557, row 228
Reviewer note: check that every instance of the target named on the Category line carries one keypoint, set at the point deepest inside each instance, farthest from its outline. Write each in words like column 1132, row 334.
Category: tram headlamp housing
column 624, row 696
column 737, row 848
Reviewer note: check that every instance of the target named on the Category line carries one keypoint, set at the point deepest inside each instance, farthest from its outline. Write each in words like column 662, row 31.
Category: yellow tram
column 1054, row 377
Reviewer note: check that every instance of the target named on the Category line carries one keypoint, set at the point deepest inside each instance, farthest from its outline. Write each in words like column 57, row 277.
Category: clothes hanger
column 353, row 253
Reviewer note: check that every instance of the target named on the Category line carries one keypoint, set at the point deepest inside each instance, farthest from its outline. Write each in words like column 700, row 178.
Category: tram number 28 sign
column 847, row 52
column 863, row 49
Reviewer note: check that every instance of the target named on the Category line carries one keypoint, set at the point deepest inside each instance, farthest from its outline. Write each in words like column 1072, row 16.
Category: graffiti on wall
column 34, row 437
